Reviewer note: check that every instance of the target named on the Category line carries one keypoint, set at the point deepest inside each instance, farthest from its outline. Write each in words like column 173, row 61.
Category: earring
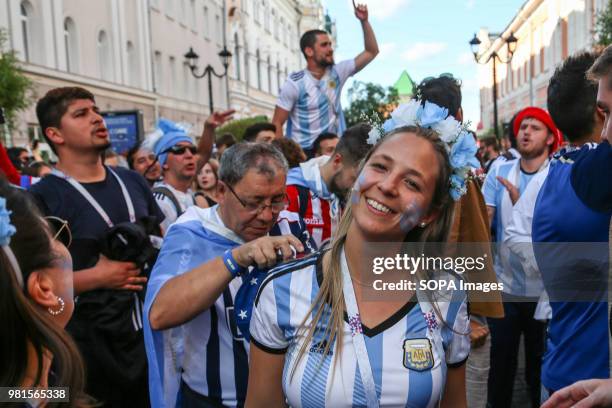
column 61, row 308
column 423, row 224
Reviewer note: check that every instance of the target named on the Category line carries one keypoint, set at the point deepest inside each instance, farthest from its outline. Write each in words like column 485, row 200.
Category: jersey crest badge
column 332, row 84
column 418, row 355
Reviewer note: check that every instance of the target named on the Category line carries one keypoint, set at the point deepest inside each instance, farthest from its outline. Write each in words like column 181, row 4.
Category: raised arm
column 207, row 139
column 369, row 39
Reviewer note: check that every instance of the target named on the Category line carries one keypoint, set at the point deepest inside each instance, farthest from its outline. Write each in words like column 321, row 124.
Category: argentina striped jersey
column 314, row 104
column 283, row 302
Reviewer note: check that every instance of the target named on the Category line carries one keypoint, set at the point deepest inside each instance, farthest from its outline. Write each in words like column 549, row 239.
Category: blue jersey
column 283, row 303
column 314, row 104
column 209, row 353
column 574, row 205
column 508, row 268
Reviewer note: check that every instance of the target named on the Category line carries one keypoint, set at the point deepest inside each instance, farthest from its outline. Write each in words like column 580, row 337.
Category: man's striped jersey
column 405, row 351
column 314, row 104
column 211, row 353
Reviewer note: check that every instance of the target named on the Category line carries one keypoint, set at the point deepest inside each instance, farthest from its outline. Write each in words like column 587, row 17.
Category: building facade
column 130, row 54
column 548, row 31
column 263, row 36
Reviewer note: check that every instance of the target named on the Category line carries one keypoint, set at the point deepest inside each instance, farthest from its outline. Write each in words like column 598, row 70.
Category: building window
column 274, row 24
column 186, row 81
column 278, row 76
column 269, row 75
column 158, row 72
column 206, row 24
column 72, row 48
column 282, row 28
column 105, row 62
column 170, row 8
column 247, row 66
column 218, row 31
column 266, row 12
column 192, row 15
column 183, row 17
column 173, row 75
column 256, row 11
column 133, row 65
column 237, row 56
column 26, row 11
column 258, row 56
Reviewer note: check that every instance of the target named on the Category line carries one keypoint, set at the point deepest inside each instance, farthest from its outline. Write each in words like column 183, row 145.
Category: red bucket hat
column 542, row 116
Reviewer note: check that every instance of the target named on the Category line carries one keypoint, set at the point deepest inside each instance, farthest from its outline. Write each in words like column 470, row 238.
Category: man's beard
column 335, row 189
column 532, row 153
column 323, row 63
column 102, row 148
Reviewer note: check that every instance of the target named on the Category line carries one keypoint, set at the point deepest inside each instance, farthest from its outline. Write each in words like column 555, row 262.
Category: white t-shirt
column 314, row 104
column 283, row 302
column 185, row 200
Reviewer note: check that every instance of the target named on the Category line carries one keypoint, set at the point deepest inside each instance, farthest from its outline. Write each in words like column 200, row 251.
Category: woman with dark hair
column 36, row 300
column 206, row 184
column 325, row 332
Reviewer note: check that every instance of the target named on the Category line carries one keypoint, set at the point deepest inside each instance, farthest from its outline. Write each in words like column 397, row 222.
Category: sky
column 424, row 37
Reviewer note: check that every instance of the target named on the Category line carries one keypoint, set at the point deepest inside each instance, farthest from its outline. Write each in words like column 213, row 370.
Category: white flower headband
column 460, row 144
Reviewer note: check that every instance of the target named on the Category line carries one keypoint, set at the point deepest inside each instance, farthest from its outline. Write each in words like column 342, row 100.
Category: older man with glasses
column 194, row 345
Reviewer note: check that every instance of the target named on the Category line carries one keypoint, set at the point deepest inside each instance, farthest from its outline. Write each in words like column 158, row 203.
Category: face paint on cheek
column 410, row 216
column 357, row 188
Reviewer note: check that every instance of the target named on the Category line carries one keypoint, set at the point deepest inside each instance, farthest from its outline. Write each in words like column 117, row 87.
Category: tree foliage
column 367, row 100
column 603, row 26
column 16, row 89
column 238, row 126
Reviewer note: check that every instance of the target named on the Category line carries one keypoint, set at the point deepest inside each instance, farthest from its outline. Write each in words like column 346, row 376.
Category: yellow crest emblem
column 418, row 355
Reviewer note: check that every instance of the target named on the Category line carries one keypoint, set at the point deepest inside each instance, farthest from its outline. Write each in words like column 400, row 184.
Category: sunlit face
column 322, row 51
column 144, row 160
column 327, row 147
column 265, row 136
column 82, row 128
column 206, row 177
column 183, row 165
column 604, row 104
column 253, row 188
column 395, row 189
column 533, row 138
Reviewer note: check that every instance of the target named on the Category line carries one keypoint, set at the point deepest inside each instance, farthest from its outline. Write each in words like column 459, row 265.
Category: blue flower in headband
column 457, row 186
column 7, row 230
column 432, row 114
column 463, row 152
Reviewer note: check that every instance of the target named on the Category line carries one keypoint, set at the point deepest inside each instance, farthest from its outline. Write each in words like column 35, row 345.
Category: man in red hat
column 537, row 138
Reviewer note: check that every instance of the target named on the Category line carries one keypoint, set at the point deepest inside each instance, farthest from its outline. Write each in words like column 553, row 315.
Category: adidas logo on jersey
column 319, row 348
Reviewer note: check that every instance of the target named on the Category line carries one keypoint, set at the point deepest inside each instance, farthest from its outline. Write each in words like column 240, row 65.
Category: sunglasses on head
column 176, row 149
column 60, row 230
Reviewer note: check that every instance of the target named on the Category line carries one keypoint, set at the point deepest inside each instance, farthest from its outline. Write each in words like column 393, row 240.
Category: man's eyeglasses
column 176, row 149
column 276, row 206
column 60, row 230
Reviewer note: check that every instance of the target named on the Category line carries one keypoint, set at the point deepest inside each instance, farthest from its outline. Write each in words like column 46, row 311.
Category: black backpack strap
column 303, row 197
column 167, row 193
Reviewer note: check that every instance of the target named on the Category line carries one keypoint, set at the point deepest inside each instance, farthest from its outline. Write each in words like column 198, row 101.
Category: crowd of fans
column 229, row 270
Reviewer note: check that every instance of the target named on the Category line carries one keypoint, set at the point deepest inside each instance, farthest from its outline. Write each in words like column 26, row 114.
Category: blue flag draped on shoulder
column 197, row 237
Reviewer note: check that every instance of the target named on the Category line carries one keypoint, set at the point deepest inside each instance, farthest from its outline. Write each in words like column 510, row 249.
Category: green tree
column 603, row 26
column 367, row 100
column 16, row 89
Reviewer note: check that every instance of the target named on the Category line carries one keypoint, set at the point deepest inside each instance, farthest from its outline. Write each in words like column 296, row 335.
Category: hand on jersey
column 478, row 334
column 582, row 394
column 361, row 11
column 265, row 251
column 513, row 192
column 119, row 275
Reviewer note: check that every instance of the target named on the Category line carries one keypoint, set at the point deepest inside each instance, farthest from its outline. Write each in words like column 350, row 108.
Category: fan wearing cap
column 537, row 138
column 176, row 153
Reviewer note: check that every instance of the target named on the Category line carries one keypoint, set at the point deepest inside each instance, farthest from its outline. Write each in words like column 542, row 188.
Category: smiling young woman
column 323, row 337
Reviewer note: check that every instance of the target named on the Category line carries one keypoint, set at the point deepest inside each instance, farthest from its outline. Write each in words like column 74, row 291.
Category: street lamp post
column 511, row 43
column 192, row 59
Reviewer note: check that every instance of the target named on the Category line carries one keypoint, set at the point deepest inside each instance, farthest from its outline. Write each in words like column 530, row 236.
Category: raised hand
column 513, row 192
column 361, row 11
column 217, row 119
